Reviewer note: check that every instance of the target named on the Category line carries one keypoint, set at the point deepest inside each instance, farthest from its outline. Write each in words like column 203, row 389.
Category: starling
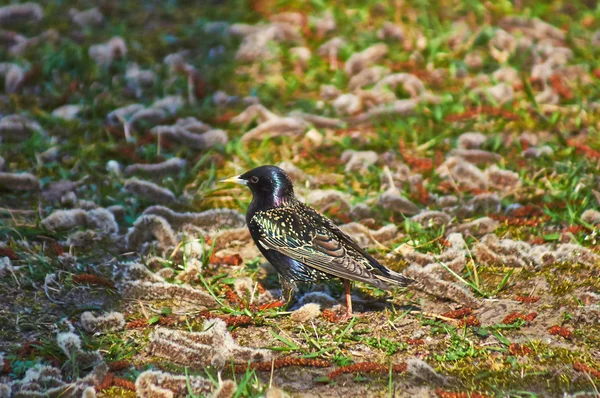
column 302, row 244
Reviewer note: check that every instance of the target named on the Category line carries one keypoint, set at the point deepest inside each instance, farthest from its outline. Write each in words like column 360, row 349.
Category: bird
column 303, row 245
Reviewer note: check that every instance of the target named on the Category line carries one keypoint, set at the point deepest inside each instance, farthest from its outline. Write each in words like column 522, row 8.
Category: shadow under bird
column 302, row 244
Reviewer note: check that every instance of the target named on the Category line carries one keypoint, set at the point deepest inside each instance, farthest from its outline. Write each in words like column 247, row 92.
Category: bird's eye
column 254, row 179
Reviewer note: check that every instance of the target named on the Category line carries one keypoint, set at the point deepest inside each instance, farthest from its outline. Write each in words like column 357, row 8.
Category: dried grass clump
column 331, row 47
column 322, row 299
column 104, row 54
column 7, row 267
column 462, row 173
column 193, row 133
column 505, row 180
column 17, row 14
column 47, row 381
column 327, row 199
column 70, row 344
column 329, row 92
column 429, row 218
column 87, row 18
column 67, row 112
column 500, row 94
column 301, row 55
column 432, row 284
column 100, row 220
column 214, row 345
column 215, row 218
column 478, row 227
column 306, row 313
column 506, row 74
column 395, row 108
column 281, row 126
column 591, row 216
column 367, row 76
column 255, row 112
column 368, row 237
column 347, row 104
column 105, row 323
column 318, row 121
column 502, row 45
column 391, row 32
column 361, row 60
column 494, row 251
column 149, row 227
column 274, row 392
column 19, row 181
column 172, row 166
column 454, row 257
column 391, row 199
column 368, row 367
column 49, row 36
column 258, row 40
column 14, row 76
column 411, row 84
column 422, row 372
column 165, row 291
column 534, row 152
column 18, row 128
column 157, row 384
column 149, row 191
column 359, row 160
column 532, row 27
column 485, row 203
column 476, row 156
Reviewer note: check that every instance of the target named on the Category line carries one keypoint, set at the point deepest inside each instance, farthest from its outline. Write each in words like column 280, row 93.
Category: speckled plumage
column 302, row 244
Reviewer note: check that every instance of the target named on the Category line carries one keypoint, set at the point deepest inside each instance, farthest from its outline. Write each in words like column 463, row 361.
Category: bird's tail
column 396, row 278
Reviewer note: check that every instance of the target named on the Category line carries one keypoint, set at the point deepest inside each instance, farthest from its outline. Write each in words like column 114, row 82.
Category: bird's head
column 267, row 183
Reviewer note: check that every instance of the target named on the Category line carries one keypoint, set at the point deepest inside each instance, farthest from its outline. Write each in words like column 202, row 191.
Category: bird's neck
column 266, row 202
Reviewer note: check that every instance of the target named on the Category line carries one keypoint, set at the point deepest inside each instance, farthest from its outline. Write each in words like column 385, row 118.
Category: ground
column 457, row 141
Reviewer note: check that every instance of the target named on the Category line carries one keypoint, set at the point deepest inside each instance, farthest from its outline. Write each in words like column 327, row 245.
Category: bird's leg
column 287, row 290
column 348, row 299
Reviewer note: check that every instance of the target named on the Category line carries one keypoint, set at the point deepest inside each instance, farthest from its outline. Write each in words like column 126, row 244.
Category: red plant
column 8, row 252
column 469, row 321
column 559, row 86
column 512, row 317
column 116, row 366
column 282, row 363
column 28, row 348
column 367, row 367
column 92, row 280
column 106, row 383
column 58, row 249
column 331, row 316
column 232, row 320
column 483, row 110
column 458, row 314
column 528, row 299
column 234, row 259
column 582, row 367
column 137, row 324
column 415, row 341
column 274, row 304
column 583, row 149
column 5, row 367
column 125, row 384
column 420, row 195
column 519, row 350
column 560, row 331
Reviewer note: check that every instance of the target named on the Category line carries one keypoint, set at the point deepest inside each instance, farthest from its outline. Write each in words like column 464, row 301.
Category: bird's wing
column 308, row 240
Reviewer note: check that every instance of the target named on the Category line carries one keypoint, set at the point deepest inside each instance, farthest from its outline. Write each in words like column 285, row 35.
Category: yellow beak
column 235, row 180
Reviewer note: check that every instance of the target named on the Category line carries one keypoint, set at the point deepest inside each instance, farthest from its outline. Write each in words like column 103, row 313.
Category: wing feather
column 316, row 247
